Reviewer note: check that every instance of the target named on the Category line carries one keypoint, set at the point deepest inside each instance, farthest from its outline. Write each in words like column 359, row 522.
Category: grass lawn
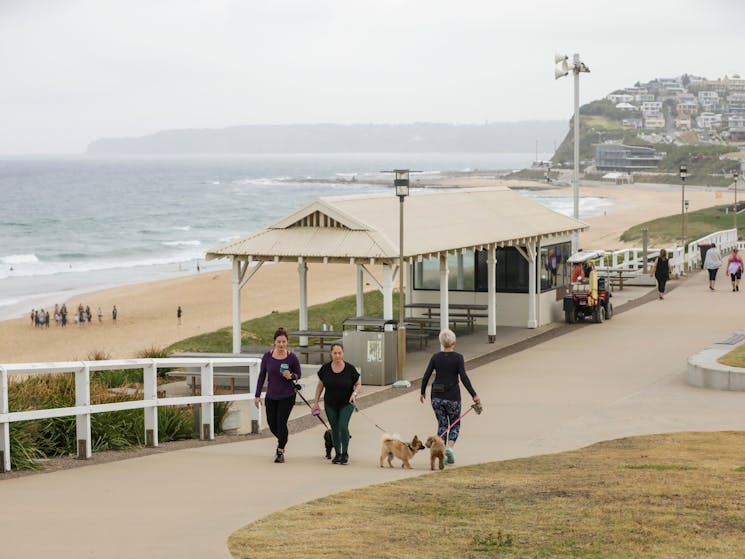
column 260, row 331
column 668, row 229
column 662, row 496
column 735, row 358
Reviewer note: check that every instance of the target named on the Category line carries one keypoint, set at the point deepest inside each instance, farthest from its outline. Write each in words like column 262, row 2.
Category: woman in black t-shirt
column 340, row 383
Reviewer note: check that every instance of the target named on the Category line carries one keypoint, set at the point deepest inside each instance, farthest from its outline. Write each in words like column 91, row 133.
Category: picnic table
column 469, row 311
column 325, row 339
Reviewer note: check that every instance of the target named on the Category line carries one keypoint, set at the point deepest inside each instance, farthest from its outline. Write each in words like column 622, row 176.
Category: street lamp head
column 401, row 182
column 683, row 172
column 686, row 205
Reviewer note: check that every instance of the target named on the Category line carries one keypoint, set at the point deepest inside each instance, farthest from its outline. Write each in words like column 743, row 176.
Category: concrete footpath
column 624, row 377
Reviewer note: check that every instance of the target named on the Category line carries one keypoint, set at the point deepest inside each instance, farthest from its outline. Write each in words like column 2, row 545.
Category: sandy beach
column 147, row 312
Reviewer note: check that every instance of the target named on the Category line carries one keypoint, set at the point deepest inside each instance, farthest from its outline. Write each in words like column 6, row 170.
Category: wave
column 184, row 228
column 193, row 243
column 19, row 259
column 262, row 181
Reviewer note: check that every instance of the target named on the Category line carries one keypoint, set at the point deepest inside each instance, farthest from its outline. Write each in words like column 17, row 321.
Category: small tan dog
column 436, row 448
column 393, row 447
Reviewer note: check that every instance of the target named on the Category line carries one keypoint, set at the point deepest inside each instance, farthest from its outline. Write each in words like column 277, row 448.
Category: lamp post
column 562, row 70
column 683, row 175
column 736, row 176
column 401, row 182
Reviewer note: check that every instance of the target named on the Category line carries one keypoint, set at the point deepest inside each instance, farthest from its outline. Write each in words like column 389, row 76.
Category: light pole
column 683, row 172
column 401, row 182
column 564, row 68
column 736, row 176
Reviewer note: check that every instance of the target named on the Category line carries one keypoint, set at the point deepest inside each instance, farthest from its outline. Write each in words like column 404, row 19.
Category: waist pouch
column 439, row 388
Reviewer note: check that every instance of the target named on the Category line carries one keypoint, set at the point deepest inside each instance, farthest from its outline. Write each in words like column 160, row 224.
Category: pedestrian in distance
column 114, row 312
column 339, row 382
column 734, row 269
column 712, row 263
column 450, row 371
column 661, row 270
column 100, row 315
column 178, row 314
column 280, row 368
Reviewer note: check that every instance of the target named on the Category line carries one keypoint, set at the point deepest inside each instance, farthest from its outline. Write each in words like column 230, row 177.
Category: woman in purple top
column 280, row 369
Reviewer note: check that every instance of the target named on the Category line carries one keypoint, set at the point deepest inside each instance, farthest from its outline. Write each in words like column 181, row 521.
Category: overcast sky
column 76, row 70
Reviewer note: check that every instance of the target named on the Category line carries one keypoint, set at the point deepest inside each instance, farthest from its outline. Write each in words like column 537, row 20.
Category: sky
column 72, row 71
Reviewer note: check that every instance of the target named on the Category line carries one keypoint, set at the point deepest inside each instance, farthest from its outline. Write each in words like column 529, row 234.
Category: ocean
column 70, row 225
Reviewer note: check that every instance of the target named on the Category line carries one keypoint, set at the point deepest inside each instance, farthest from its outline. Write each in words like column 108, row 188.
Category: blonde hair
column 447, row 338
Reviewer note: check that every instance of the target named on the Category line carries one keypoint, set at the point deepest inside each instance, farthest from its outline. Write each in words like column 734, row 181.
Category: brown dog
column 436, row 448
column 394, row 447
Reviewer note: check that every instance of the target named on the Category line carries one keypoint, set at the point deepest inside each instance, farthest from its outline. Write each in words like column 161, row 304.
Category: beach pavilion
column 490, row 246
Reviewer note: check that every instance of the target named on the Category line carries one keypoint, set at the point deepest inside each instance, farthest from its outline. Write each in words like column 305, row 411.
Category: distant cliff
column 496, row 137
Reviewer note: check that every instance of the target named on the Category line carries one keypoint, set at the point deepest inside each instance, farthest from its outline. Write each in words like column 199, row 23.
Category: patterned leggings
column 447, row 412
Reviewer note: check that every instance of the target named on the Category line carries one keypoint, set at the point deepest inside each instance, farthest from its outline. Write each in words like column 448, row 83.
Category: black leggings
column 661, row 284
column 277, row 414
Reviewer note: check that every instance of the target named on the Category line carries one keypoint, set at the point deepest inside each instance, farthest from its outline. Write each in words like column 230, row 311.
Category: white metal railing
column 632, row 259
column 725, row 240
column 150, row 402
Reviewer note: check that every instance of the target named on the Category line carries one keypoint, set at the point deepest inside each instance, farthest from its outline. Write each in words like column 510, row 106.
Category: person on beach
column 661, row 270
column 712, row 262
column 99, row 312
column 280, row 368
column 450, row 370
column 114, row 312
column 734, row 269
column 178, row 314
column 339, row 382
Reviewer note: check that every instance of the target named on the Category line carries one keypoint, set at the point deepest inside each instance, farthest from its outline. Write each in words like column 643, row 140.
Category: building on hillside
column 651, row 107
column 654, row 121
column 626, row 159
column 683, row 122
column 626, row 107
column 687, row 107
column 632, row 122
column 736, row 102
column 736, row 127
column 620, row 98
column 709, row 121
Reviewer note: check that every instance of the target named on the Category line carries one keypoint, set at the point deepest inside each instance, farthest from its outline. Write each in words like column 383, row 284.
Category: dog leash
column 369, row 418
column 317, row 413
column 474, row 407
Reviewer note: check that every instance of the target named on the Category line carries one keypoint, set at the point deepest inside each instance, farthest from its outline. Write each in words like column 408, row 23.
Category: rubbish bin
column 703, row 247
column 374, row 353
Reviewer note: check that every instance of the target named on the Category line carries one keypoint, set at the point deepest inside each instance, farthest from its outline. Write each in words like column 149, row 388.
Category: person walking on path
column 178, row 314
column 712, row 263
column 734, row 269
column 450, row 370
column 661, row 272
column 280, row 368
column 339, row 381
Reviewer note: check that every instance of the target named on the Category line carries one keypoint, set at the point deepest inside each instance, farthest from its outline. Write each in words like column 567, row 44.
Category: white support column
column 207, row 431
column 236, row 305
column 360, row 300
column 302, row 272
column 254, row 412
column 444, row 299
column 388, row 294
column 150, row 394
column 4, row 426
column 460, row 279
column 491, row 292
column 531, row 251
column 83, row 421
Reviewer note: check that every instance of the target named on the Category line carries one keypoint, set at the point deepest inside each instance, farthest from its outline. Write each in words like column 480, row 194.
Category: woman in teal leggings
column 339, row 382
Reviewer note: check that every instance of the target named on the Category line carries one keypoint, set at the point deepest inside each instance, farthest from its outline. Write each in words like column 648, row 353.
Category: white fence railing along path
column 632, row 259
column 149, row 403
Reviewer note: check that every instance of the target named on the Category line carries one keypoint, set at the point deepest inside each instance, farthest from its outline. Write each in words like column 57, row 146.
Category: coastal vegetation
column 658, row 496
column 668, row 229
column 36, row 440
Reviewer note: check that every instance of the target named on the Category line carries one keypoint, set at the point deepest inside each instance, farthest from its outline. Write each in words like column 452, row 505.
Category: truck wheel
column 570, row 317
column 598, row 315
column 609, row 311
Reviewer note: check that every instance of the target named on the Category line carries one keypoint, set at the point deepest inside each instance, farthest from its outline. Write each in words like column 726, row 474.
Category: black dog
column 329, row 442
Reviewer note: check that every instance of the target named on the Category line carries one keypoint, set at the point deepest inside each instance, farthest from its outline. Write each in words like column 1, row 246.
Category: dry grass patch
column 661, row 496
column 735, row 358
